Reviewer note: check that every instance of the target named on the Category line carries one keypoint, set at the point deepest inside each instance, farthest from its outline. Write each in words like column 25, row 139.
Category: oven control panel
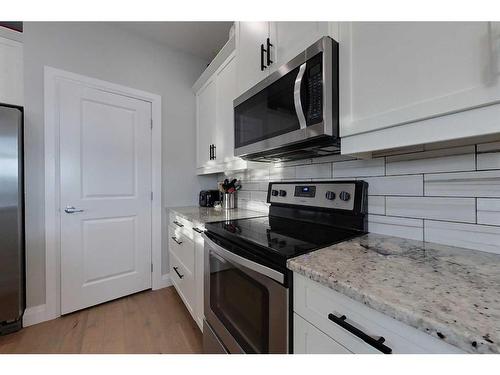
column 338, row 195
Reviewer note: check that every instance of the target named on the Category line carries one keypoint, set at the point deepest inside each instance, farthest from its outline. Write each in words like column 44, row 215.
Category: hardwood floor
column 147, row 322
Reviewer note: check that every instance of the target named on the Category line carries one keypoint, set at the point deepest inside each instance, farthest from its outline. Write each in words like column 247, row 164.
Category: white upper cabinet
column 11, row 72
column 206, row 122
column 408, row 83
column 249, row 38
column 215, row 92
column 286, row 40
column 226, row 92
column 291, row 38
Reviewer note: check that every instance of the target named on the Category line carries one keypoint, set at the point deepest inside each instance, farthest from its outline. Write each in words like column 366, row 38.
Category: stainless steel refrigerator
column 12, row 274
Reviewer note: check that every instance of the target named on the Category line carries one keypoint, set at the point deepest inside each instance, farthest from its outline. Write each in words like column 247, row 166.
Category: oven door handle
column 232, row 257
column 296, row 96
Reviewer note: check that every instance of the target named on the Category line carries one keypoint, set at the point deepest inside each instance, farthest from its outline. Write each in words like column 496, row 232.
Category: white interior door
column 105, row 171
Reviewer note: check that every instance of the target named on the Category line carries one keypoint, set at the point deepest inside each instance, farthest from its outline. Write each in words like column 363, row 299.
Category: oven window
column 267, row 114
column 241, row 304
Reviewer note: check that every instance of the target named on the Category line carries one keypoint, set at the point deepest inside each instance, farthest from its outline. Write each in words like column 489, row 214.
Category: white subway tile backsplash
column 434, row 195
column 376, row 205
column 254, row 206
column 395, row 185
column 488, row 156
column 278, row 173
column 313, row 171
column 258, row 196
column 449, row 160
column 243, row 195
column 249, row 186
column 452, row 209
column 488, row 211
column 465, row 184
column 258, row 174
column 488, row 147
column 396, row 226
column 332, row 158
column 471, row 236
column 489, row 160
column 297, row 162
column 359, row 168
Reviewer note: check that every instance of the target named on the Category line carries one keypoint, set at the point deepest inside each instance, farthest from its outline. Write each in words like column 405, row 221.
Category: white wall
column 104, row 51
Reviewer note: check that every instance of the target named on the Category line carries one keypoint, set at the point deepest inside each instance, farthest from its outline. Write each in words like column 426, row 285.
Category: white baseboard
column 34, row 315
column 164, row 283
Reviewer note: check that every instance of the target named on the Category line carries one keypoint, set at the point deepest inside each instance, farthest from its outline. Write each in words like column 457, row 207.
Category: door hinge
column 151, row 195
column 151, row 123
column 151, row 267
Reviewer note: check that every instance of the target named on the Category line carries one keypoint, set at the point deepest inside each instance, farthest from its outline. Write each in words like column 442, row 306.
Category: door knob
column 71, row 210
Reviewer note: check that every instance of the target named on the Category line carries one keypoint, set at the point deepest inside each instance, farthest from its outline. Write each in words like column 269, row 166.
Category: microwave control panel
column 314, row 88
column 338, row 195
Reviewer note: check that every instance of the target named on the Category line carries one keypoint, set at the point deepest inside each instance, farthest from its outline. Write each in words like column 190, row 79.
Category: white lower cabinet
column 313, row 304
column 307, row 339
column 186, row 254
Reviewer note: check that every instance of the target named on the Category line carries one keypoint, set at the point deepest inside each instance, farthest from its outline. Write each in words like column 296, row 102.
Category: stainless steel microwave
column 294, row 112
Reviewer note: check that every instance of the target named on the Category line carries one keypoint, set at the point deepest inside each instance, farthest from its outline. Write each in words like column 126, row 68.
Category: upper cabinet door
column 206, row 121
column 394, row 74
column 249, row 37
column 11, row 72
column 226, row 92
column 291, row 38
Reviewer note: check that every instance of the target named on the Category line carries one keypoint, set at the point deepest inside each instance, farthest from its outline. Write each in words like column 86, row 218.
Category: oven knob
column 274, row 193
column 282, row 193
column 345, row 196
column 330, row 195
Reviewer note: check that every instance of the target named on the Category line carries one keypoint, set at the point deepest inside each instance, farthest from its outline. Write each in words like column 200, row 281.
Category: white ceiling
column 202, row 39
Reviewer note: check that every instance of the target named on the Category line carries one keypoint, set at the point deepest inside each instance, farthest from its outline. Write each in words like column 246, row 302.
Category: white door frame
column 52, row 187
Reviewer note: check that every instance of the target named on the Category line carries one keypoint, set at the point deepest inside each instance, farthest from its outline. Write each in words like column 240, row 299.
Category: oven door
column 296, row 103
column 245, row 303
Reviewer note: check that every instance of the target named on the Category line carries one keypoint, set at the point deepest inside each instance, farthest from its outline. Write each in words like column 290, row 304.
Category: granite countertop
column 448, row 292
column 202, row 215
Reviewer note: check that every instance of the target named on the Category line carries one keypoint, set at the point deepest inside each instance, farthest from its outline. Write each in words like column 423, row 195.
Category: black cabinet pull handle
column 214, row 148
column 197, row 230
column 178, row 224
column 176, row 240
column 376, row 343
column 268, row 50
column 262, row 50
column 210, row 152
column 177, row 272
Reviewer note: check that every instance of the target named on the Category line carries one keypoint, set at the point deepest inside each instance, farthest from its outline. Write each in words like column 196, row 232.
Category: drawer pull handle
column 176, row 240
column 197, row 230
column 376, row 343
column 178, row 224
column 177, row 272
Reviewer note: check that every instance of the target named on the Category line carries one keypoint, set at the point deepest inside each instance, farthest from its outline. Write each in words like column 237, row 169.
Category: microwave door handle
column 296, row 96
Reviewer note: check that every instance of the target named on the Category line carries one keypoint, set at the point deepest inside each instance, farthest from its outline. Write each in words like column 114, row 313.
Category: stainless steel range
column 248, row 289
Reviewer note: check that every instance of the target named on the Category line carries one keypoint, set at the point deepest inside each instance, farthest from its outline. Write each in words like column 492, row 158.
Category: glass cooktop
column 279, row 237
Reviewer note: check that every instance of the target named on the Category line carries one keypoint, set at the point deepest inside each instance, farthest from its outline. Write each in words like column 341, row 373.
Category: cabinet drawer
column 182, row 247
column 314, row 302
column 178, row 221
column 183, row 281
column 307, row 339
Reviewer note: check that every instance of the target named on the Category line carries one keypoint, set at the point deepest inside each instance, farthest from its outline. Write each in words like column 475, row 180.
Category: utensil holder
column 229, row 201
